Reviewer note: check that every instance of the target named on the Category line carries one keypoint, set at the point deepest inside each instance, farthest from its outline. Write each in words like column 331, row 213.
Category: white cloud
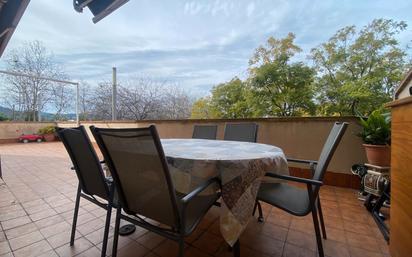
column 197, row 43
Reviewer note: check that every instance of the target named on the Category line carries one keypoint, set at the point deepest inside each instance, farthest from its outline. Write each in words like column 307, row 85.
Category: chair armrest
column 185, row 200
column 301, row 161
column 296, row 179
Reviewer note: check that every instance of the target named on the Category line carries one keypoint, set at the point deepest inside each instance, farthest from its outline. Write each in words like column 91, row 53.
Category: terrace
column 39, row 189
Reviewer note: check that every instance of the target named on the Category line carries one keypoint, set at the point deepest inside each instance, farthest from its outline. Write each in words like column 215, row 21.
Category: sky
column 195, row 44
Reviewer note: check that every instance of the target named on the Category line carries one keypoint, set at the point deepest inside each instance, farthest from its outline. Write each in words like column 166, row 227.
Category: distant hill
column 45, row 115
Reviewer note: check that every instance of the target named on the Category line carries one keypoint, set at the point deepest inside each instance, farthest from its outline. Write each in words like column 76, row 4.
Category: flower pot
column 379, row 155
column 49, row 137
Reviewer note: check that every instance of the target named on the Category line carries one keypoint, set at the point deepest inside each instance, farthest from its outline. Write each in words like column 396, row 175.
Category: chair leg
column 106, row 229
column 260, row 218
column 76, row 212
column 116, row 231
column 322, row 223
column 236, row 249
column 181, row 247
column 317, row 231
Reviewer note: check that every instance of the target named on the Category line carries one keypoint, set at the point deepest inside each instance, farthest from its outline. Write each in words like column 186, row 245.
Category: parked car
column 31, row 138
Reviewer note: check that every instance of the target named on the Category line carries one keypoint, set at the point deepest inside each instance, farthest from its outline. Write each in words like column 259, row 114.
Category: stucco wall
column 298, row 137
column 10, row 131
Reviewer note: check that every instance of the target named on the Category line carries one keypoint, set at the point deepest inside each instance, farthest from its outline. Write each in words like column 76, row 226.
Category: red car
column 31, row 138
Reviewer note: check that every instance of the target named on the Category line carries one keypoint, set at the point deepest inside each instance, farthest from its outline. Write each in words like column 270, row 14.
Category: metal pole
column 54, row 80
column 77, row 104
column 114, row 94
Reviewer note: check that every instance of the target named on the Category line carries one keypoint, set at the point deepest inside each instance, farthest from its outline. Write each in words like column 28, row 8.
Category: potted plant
column 48, row 133
column 376, row 135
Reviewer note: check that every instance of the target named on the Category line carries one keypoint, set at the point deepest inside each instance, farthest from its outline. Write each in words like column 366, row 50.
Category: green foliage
column 3, row 117
column 229, row 100
column 356, row 71
column 282, row 89
column 376, row 128
column 47, row 130
column 201, row 109
column 359, row 70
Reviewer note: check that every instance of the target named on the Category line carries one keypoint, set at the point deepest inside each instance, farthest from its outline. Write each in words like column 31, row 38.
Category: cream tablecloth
column 239, row 165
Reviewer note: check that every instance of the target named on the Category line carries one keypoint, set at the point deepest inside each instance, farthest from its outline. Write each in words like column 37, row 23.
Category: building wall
column 298, row 137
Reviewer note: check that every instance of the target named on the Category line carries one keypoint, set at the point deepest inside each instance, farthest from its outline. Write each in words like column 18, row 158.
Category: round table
column 239, row 165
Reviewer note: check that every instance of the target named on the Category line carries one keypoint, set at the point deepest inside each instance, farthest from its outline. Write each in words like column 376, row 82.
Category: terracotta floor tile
column 25, row 240
column 123, row 241
column 208, row 243
column 244, row 252
column 42, row 214
column 19, row 231
column 150, row 240
column 91, row 252
column 336, row 235
column 33, row 250
column 4, row 216
column 274, row 231
column 335, row 249
column 50, row 253
column 62, row 238
column 362, row 241
column 16, row 222
column 49, row 221
column 4, row 247
column 133, row 249
column 302, row 240
column 80, row 245
column 263, row 244
column 359, row 252
column 296, row 251
column 55, row 229
column 167, row 248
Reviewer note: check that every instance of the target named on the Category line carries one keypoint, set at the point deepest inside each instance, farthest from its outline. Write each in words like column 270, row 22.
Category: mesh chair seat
column 196, row 209
column 286, row 197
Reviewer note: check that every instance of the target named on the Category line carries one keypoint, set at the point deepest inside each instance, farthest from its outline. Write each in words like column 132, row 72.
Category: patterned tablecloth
column 239, row 165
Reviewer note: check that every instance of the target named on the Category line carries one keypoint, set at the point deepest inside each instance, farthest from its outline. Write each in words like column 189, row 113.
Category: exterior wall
column 298, row 137
column 405, row 91
column 10, row 131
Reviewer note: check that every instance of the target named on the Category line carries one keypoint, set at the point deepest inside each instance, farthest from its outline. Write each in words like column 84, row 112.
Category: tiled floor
column 36, row 208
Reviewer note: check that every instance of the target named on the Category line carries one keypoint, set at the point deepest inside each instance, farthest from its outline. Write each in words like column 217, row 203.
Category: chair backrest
column 85, row 161
column 246, row 132
column 139, row 169
column 204, row 131
column 329, row 148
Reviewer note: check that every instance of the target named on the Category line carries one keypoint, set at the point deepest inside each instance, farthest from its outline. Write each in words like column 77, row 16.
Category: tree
column 278, row 86
column 31, row 95
column 359, row 70
column 228, row 100
column 282, row 89
column 3, row 117
column 201, row 109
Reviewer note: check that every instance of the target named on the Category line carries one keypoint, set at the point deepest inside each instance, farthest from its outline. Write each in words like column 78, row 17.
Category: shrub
column 47, row 130
column 376, row 128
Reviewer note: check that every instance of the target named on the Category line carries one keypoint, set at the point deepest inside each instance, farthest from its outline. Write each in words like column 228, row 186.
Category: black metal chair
column 204, row 131
column 145, row 188
column 92, row 181
column 298, row 201
column 246, row 132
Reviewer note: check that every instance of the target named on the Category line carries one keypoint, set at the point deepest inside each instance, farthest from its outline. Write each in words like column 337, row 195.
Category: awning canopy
column 99, row 8
column 10, row 14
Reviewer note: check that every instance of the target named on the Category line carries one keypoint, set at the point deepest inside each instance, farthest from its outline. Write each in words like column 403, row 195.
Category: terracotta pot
column 379, row 155
column 49, row 137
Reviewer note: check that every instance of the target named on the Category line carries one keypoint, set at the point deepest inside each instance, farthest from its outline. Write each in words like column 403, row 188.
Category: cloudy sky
column 195, row 44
